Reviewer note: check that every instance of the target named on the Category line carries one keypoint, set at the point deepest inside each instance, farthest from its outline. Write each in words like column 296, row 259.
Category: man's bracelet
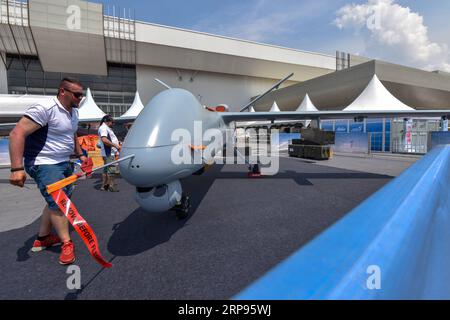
column 17, row 169
column 80, row 155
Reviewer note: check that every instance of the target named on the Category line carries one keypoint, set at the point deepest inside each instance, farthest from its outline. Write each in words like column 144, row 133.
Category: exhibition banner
column 354, row 142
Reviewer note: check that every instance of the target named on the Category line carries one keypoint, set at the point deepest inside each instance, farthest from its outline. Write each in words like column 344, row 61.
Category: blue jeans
column 46, row 174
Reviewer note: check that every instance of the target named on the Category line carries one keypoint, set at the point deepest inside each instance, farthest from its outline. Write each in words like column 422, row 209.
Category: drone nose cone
column 141, row 171
column 168, row 117
column 149, row 166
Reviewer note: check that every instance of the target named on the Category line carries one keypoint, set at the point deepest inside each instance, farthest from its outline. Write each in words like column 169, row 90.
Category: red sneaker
column 67, row 253
column 49, row 241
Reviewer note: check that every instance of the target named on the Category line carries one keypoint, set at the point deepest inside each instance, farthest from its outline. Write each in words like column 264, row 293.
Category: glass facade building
column 380, row 140
column 391, row 138
column 113, row 93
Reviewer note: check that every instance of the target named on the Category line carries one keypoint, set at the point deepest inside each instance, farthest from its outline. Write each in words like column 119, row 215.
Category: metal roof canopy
column 416, row 88
column 12, row 107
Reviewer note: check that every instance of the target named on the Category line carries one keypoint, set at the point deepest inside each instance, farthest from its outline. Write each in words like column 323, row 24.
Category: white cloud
column 394, row 33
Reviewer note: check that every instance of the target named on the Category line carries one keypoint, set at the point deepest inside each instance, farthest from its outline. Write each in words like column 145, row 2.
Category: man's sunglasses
column 77, row 95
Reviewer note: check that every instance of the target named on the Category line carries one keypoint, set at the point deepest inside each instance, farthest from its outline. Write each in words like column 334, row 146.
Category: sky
column 410, row 32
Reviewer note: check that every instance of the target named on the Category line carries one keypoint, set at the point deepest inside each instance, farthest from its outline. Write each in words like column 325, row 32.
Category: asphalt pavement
column 238, row 230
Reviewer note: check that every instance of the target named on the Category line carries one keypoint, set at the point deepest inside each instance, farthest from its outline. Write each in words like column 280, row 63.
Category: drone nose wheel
column 182, row 210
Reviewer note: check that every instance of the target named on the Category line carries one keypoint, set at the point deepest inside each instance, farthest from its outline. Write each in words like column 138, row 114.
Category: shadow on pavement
column 23, row 253
column 142, row 230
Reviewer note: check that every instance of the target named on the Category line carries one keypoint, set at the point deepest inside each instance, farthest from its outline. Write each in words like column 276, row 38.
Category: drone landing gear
column 182, row 209
column 254, row 171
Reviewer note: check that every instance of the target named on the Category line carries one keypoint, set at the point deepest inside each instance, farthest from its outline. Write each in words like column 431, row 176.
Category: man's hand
column 18, row 178
column 86, row 165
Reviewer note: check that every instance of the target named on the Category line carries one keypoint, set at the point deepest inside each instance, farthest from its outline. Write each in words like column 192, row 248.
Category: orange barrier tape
column 80, row 225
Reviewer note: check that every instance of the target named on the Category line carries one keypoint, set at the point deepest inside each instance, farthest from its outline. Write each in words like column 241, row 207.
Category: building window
column 113, row 93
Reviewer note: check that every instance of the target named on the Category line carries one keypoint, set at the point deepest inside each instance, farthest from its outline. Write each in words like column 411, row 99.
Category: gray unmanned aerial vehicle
column 156, row 142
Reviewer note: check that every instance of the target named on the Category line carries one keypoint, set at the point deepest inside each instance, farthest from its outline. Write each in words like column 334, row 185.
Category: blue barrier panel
column 439, row 138
column 395, row 245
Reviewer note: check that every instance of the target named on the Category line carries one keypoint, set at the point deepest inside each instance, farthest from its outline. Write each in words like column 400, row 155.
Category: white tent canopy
column 16, row 105
column 274, row 107
column 135, row 108
column 89, row 109
column 306, row 105
column 376, row 97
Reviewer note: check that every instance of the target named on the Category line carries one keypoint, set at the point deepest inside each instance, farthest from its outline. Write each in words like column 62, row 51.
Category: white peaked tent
column 306, row 105
column 89, row 109
column 376, row 97
column 274, row 107
column 135, row 108
column 249, row 123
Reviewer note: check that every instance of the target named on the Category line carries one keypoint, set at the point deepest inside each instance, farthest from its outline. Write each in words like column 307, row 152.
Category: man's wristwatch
column 17, row 169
